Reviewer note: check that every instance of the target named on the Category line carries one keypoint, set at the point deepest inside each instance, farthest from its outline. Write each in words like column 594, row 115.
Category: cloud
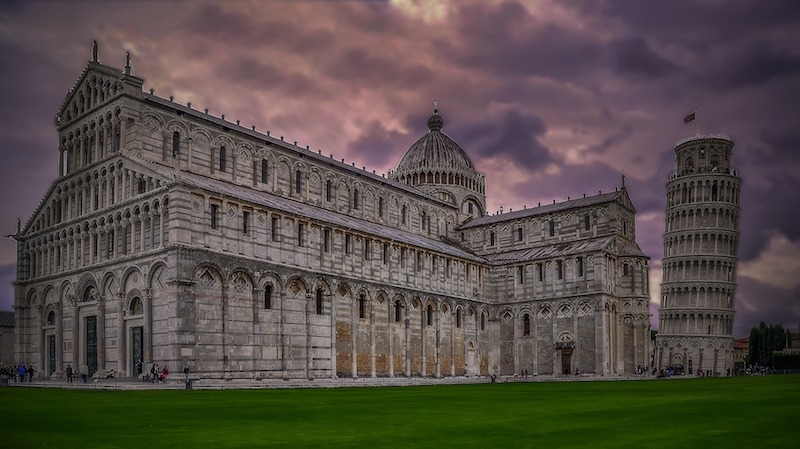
column 777, row 265
column 757, row 301
column 634, row 56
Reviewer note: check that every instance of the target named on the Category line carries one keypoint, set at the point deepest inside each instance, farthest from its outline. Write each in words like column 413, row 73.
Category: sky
column 550, row 99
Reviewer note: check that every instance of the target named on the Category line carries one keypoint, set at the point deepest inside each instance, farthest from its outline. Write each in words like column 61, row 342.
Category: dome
column 434, row 150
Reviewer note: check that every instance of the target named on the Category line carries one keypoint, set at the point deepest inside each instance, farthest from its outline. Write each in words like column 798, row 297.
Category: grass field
column 746, row 412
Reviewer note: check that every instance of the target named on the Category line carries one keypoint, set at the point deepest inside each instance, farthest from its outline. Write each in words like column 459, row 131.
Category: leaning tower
column 701, row 237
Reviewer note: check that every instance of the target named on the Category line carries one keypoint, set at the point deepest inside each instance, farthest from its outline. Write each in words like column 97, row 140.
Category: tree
column 764, row 341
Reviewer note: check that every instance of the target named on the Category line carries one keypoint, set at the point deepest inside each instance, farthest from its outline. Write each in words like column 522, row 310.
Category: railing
column 701, row 170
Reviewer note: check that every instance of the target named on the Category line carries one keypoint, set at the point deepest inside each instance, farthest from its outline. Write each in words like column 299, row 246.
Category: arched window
column 458, row 318
column 625, row 269
column 380, row 207
column 526, row 324
column 483, row 321
column 423, row 220
column 222, row 157
column 268, row 297
column 298, row 182
column 355, row 198
column 319, row 301
column 51, row 318
column 136, row 307
column 403, row 214
column 398, row 311
column 362, row 307
column 328, row 189
column 429, row 315
column 90, row 294
column 176, row 144
column 264, row 171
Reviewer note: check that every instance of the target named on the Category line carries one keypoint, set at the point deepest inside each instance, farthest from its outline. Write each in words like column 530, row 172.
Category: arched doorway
column 565, row 346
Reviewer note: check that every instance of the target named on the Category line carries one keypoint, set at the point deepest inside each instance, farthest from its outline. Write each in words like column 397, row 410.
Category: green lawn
column 747, row 412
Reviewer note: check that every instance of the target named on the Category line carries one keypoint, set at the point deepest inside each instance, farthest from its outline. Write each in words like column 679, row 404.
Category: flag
column 691, row 117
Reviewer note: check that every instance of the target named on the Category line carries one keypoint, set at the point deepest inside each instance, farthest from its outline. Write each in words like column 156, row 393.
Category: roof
column 303, row 152
column 550, row 251
column 543, row 210
column 6, row 319
column 434, row 150
column 741, row 343
column 632, row 249
column 704, row 136
column 325, row 216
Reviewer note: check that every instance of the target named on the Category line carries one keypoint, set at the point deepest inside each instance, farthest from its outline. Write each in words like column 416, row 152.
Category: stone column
column 453, row 340
column 284, row 349
column 407, row 350
column 423, row 334
column 123, row 133
column 147, row 351
column 390, row 330
column 333, row 335
column 60, row 161
column 309, row 360
column 76, row 335
column 636, row 348
column 353, row 340
column 438, row 342
column 122, row 339
column 101, row 334
column 224, row 320
column 372, row 368
column 59, row 342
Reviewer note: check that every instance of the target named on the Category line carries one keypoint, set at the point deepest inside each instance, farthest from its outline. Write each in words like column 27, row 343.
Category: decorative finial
column 95, row 51
column 127, row 63
column 435, row 122
column 435, row 106
column 623, row 179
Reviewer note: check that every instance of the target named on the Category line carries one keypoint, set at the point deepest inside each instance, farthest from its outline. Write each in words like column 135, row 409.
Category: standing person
column 69, row 373
column 21, row 373
column 30, row 373
column 186, row 372
column 154, row 372
column 84, row 372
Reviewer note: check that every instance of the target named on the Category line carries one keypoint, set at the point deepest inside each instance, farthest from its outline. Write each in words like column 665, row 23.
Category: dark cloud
column 514, row 137
column 756, row 302
column 505, row 39
column 634, row 55
column 768, row 211
column 750, row 65
column 377, row 146
column 8, row 274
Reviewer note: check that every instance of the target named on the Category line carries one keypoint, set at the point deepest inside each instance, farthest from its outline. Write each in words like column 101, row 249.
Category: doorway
column 137, row 344
column 91, row 344
column 566, row 361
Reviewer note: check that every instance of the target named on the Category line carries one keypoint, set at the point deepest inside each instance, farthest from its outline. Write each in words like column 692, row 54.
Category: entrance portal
column 51, row 354
column 566, row 361
column 137, row 343
column 91, row 344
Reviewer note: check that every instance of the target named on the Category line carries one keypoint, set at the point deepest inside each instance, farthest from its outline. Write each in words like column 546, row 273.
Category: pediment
column 625, row 200
column 97, row 85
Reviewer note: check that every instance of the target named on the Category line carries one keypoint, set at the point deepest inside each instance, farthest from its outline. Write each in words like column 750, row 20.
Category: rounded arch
column 86, row 281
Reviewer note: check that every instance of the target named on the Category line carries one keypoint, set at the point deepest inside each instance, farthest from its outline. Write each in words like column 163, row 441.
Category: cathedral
column 175, row 237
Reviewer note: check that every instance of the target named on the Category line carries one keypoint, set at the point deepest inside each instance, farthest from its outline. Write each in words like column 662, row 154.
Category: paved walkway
column 177, row 383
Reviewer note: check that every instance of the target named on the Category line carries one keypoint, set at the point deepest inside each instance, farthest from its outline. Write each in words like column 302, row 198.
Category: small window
column 447, row 268
column 328, row 190
column 483, row 321
column 264, row 171
column 298, row 182
column 418, row 266
column 385, row 253
column 142, row 187
column 362, row 307
column 402, row 257
column 356, row 199
column 301, row 234
column 176, row 143
column 521, row 274
column 136, row 307
column 222, row 157
column 268, row 297
column 580, row 266
column 276, row 223
column 491, row 238
column 245, row 222
column 587, row 222
column 560, row 269
column 469, row 208
column 429, row 315
column 552, row 228
column 214, row 216
column 519, row 234
column 403, row 214
column 326, row 236
column 540, row 269
column 347, row 243
column 625, row 269
column 51, row 318
column 398, row 311
column 380, row 207
column 319, row 301
column 526, row 324
column 423, row 220
column 458, row 319
column 366, row 249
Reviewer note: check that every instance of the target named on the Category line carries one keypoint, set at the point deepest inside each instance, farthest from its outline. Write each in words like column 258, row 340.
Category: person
column 21, row 373
column 84, row 372
column 164, row 373
column 186, row 372
column 30, row 373
column 154, row 373
column 69, row 373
